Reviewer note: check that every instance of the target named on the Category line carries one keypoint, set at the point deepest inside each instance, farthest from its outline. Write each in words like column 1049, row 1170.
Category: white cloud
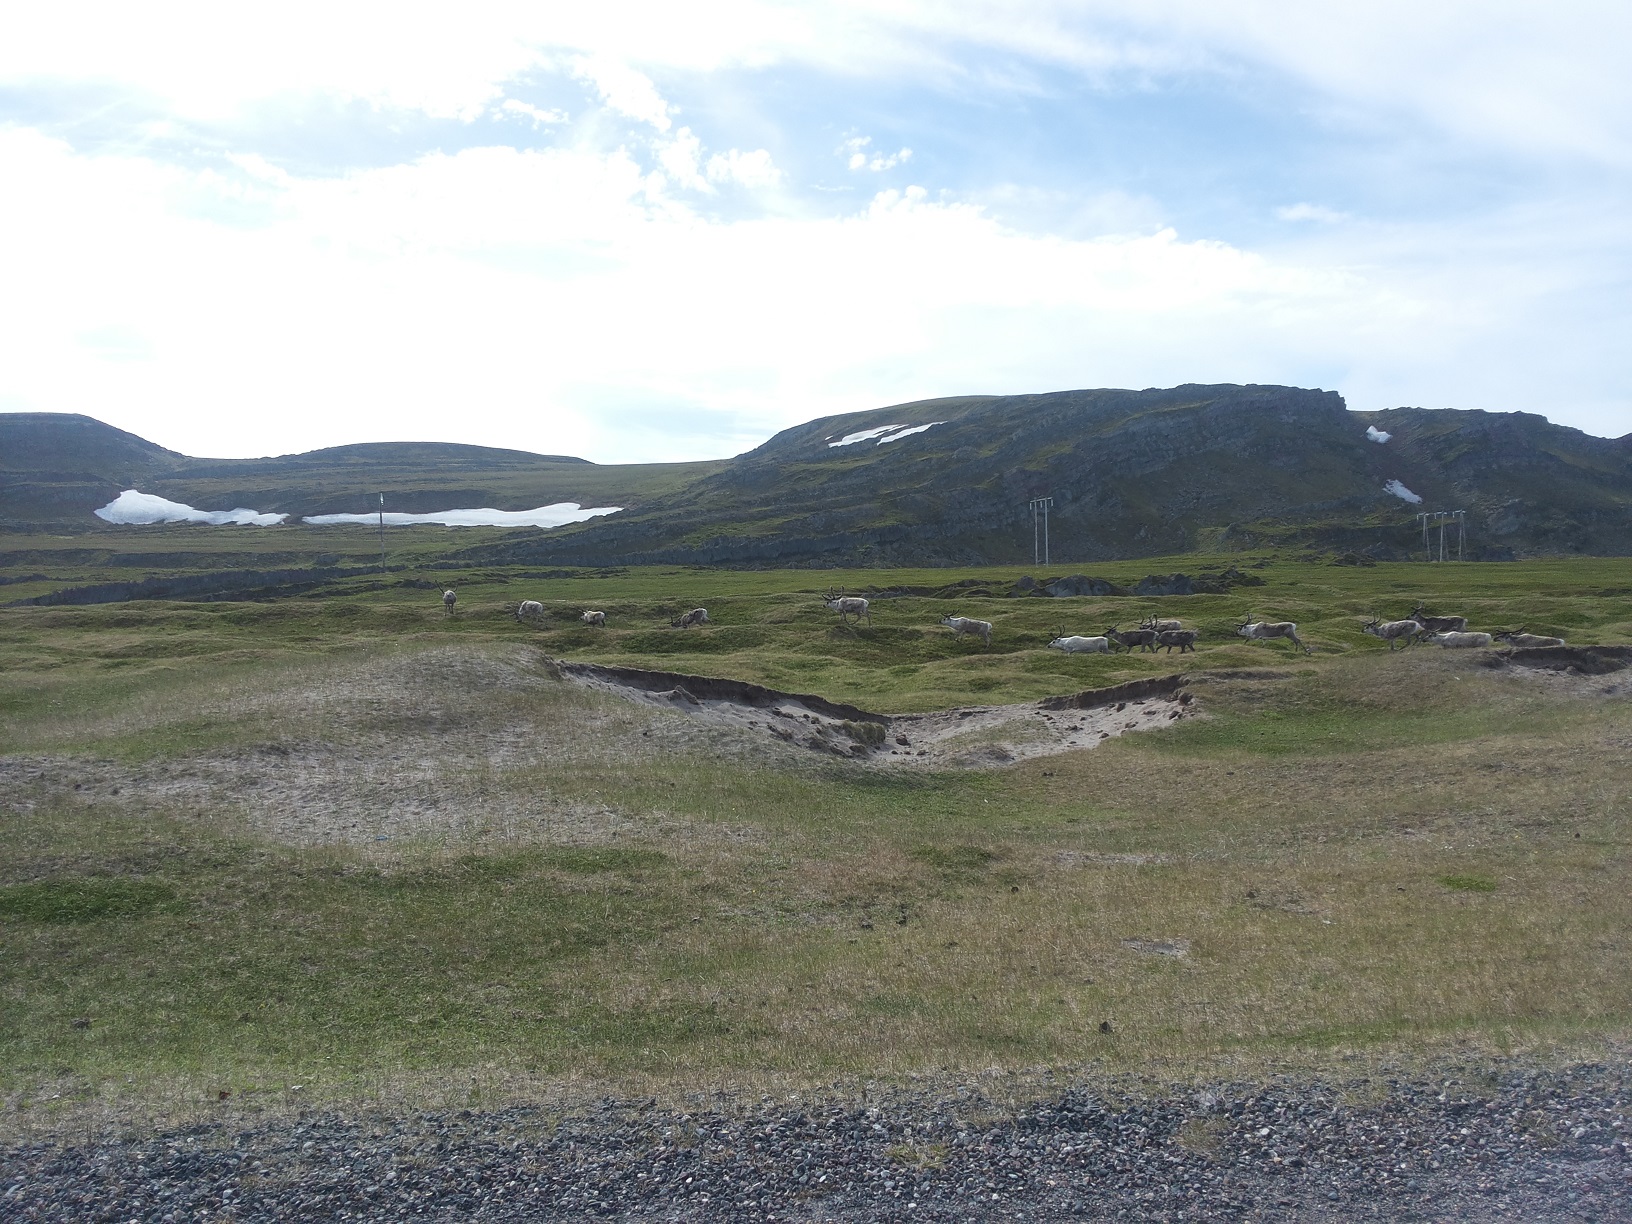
column 540, row 117
column 753, row 169
column 546, row 298
column 538, row 299
column 624, row 89
column 682, row 159
column 1311, row 212
column 862, row 158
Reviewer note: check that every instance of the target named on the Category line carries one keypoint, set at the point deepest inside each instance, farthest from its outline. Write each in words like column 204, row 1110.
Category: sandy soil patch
column 970, row 737
column 459, row 744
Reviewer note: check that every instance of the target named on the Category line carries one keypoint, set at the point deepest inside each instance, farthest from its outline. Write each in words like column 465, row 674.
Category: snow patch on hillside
column 132, row 508
column 1401, row 492
column 884, row 433
column 556, row 515
column 1377, row 435
column 907, row 433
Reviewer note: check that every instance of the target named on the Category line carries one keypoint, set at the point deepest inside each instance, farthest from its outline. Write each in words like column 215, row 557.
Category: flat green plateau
column 1352, row 854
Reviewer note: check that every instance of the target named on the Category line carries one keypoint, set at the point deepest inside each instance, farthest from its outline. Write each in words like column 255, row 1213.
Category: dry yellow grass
column 1382, row 857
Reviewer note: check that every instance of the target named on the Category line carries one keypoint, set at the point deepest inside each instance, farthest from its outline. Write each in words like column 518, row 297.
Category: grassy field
column 344, row 842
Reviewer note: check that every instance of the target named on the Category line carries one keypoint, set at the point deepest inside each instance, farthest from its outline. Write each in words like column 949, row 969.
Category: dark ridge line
column 714, row 688
column 1588, row 660
column 1128, row 690
column 252, row 586
column 760, row 697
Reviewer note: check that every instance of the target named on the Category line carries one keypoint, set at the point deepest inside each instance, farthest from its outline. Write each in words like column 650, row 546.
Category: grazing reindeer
column 1392, row 631
column 697, row 616
column 1438, row 624
column 847, row 605
column 1263, row 631
column 1460, row 641
column 596, row 620
column 448, row 600
column 1081, row 645
column 1145, row 639
column 529, row 607
column 1519, row 637
column 1184, row 639
column 961, row 625
column 1160, row 626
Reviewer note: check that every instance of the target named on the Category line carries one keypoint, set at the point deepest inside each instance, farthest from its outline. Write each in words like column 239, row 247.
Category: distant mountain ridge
column 1132, row 473
column 58, row 467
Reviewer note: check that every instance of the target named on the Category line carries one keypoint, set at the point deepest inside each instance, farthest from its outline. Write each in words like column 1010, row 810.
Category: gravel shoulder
column 1484, row 1145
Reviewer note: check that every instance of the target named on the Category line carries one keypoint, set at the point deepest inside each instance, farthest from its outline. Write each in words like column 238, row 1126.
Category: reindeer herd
column 1448, row 632
column 1153, row 635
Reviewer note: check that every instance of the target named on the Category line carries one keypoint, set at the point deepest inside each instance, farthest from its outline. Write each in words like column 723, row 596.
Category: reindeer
column 1392, row 631
column 1184, row 639
column 1438, row 624
column 1263, row 631
column 961, row 625
column 847, row 605
column 1081, row 645
column 529, row 607
column 448, row 600
column 697, row 616
column 1160, row 626
column 1518, row 637
column 595, row 620
column 1145, row 639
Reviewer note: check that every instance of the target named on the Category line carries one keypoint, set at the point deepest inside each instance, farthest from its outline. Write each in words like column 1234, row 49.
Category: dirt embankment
column 1583, row 660
column 461, row 742
column 972, row 737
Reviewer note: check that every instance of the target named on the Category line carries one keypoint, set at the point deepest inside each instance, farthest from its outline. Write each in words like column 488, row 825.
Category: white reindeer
column 1081, row 645
column 1160, row 626
column 1263, row 631
column 1519, row 637
column 1392, row 631
column 529, row 607
column 594, row 619
column 1461, row 641
column 448, row 600
column 697, row 616
column 847, row 606
column 961, row 625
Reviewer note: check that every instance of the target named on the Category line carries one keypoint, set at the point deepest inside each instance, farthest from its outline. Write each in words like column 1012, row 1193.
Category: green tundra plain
column 338, row 847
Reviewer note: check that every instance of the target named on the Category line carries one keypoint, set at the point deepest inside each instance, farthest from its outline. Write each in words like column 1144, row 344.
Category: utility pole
column 1040, row 504
column 1431, row 519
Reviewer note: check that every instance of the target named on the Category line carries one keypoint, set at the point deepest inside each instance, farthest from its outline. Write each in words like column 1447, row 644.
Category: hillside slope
column 1132, row 473
column 947, row 481
column 55, row 468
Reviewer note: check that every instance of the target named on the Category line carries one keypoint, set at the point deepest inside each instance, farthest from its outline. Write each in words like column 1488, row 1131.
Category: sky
column 648, row 232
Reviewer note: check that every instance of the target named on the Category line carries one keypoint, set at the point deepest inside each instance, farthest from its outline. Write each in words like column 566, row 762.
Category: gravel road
column 1510, row 1146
